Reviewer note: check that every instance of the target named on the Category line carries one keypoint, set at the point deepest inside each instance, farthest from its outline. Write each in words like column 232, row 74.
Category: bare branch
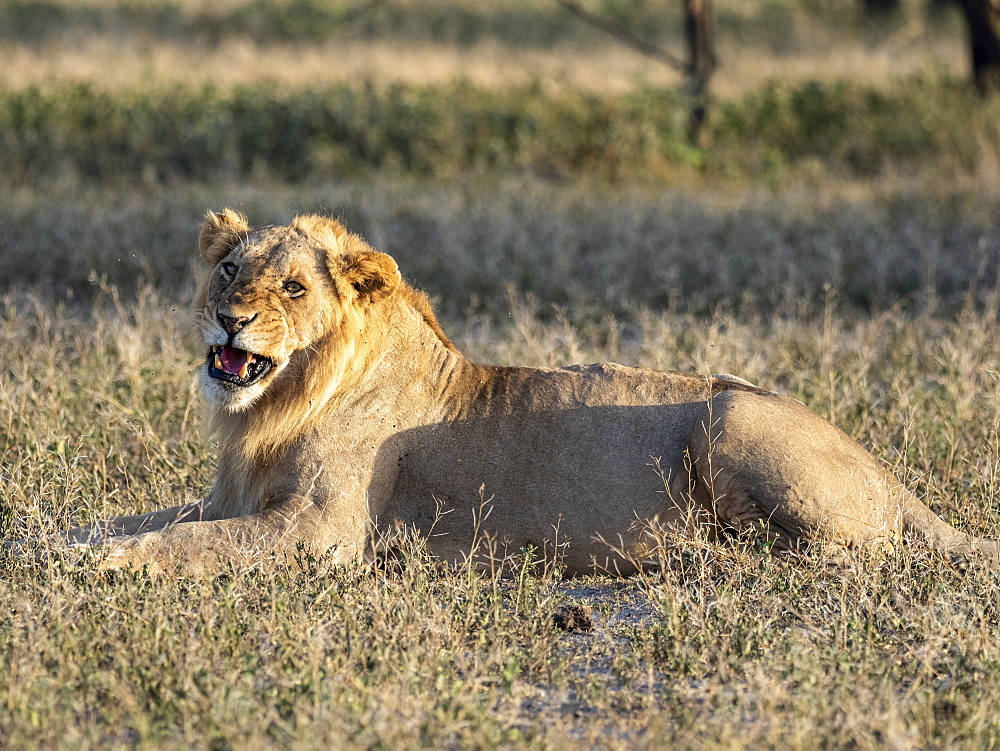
column 625, row 35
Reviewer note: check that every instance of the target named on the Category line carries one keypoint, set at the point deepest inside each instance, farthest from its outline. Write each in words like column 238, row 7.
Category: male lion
column 348, row 421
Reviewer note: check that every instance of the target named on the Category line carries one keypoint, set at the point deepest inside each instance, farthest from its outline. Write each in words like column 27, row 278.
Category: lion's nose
column 233, row 324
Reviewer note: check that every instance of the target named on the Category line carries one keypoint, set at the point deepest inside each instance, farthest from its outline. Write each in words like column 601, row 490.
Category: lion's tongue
column 234, row 361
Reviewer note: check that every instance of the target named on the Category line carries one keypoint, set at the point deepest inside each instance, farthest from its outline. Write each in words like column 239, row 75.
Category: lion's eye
column 294, row 288
column 229, row 269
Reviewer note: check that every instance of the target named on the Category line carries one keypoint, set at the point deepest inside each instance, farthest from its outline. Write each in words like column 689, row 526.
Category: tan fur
column 371, row 428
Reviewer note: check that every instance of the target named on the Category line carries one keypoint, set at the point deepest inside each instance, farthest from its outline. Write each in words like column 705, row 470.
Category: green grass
column 922, row 123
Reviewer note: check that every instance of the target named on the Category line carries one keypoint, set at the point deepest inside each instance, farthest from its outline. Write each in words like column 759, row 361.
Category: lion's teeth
column 218, row 363
column 243, row 370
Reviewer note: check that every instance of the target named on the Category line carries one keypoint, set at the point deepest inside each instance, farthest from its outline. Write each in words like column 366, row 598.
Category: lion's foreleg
column 211, row 545
column 104, row 532
column 139, row 523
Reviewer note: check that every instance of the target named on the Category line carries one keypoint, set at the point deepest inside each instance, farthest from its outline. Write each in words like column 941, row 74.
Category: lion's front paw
column 116, row 555
column 129, row 552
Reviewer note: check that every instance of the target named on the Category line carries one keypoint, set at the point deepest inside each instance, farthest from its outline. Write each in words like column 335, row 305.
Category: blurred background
column 762, row 155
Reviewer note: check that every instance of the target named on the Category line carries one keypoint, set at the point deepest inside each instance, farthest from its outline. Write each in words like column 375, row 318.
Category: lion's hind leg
column 749, row 522
column 768, row 464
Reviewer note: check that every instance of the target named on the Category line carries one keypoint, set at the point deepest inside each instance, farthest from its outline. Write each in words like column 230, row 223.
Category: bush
column 340, row 130
column 856, row 128
column 294, row 134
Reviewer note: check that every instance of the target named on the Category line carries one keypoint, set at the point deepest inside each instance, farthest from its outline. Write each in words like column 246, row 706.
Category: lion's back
column 586, row 447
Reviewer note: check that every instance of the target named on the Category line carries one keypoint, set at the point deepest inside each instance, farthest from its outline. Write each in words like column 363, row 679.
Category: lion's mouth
column 237, row 366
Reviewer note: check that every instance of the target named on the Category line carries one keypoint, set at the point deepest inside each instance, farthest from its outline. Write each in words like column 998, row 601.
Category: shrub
column 294, row 134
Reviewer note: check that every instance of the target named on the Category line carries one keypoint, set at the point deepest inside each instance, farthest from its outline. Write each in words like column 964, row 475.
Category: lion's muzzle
column 237, row 367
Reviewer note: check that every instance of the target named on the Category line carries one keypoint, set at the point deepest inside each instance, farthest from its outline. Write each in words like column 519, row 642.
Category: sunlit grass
column 600, row 67
column 726, row 644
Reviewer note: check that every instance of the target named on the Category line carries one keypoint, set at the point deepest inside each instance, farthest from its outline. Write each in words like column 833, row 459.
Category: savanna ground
column 835, row 238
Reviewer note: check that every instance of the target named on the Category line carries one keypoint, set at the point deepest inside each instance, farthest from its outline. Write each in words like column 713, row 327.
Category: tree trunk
column 699, row 25
column 983, row 19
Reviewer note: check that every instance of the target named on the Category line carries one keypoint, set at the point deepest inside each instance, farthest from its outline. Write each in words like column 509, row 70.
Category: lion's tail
column 942, row 536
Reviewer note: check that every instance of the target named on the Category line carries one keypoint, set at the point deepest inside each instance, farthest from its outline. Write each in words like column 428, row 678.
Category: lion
column 348, row 423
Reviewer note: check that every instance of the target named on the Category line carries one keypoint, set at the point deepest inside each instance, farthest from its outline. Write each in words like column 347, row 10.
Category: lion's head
column 278, row 298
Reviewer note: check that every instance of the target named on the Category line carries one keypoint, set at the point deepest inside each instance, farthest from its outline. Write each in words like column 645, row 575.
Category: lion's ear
column 371, row 274
column 221, row 233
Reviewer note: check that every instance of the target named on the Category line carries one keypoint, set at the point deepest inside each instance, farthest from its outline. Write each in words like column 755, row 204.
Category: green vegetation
column 451, row 131
column 515, row 23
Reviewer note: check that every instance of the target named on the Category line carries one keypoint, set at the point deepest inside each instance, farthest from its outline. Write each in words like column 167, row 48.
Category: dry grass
column 602, row 67
column 725, row 646
column 592, row 249
column 757, row 42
